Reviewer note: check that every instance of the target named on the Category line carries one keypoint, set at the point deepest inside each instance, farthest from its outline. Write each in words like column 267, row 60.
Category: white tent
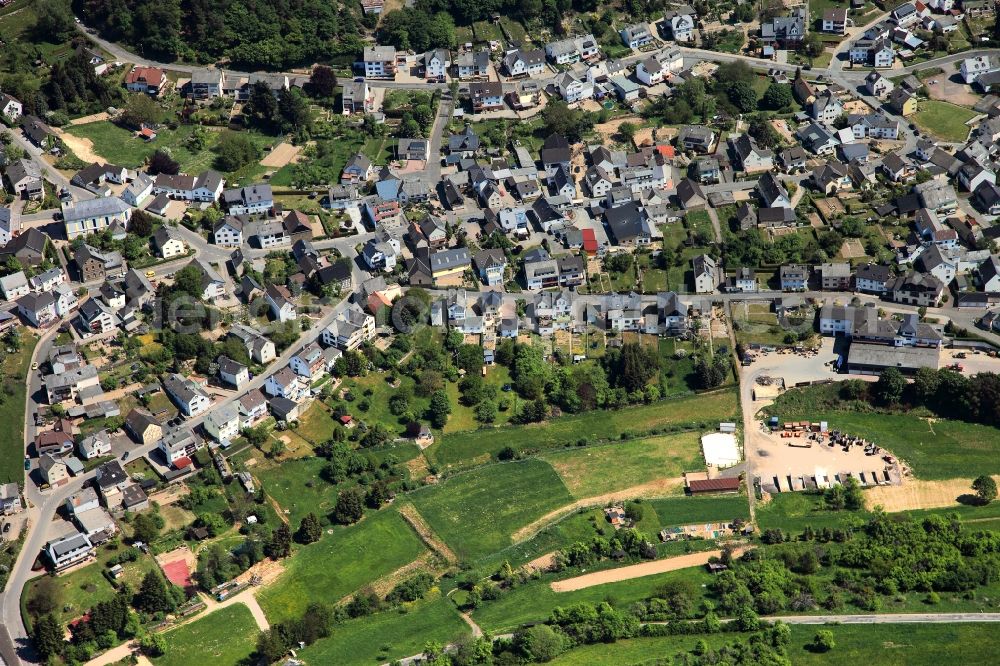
column 720, row 449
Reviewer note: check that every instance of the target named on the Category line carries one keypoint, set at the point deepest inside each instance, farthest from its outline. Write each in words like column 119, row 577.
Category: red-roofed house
column 146, row 79
column 666, row 150
column 589, row 241
column 147, row 134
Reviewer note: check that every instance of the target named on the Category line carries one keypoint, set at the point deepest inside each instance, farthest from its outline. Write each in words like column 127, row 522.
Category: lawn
column 476, row 512
column 698, row 222
column 674, row 511
column 944, row 119
column 227, row 636
column 389, row 635
column 374, row 408
column 340, row 563
column 469, row 447
column 639, row 650
column 316, row 425
column 120, row 146
column 15, row 370
column 943, row 449
column 596, row 470
column 792, row 512
column 463, row 417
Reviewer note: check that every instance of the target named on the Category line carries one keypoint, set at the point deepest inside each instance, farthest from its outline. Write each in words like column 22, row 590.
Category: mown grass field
column 14, row 370
column 892, row 644
column 477, row 512
column 340, row 563
column 941, row 449
column 466, row 448
column 226, row 636
column 902, row 644
column 672, row 511
column 943, row 119
column 792, row 512
column 601, row 469
column 534, row 601
column 389, row 635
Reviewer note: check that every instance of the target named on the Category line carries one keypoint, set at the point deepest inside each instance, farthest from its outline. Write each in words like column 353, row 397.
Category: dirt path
column 95, row 118
column 82, row 148
column 919, row 494
column 382, row 586
column 476, row 630
column 635, row 571
column 658, row 488
column 427, row 535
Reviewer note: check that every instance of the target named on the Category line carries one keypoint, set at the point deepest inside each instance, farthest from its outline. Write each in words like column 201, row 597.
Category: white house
column 167, row 244
column 10, row 107
column 187, row 395
column 971, row 68
column 233, row 373
column 279, row 299
column 223, row 424
column 96, row 445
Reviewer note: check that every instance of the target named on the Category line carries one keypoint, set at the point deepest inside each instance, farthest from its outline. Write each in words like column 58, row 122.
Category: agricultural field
column 388, row 635
column 463, row 449
column 222, row 637
column 944, row 120
column 601, row 469
column 340, row 563
column 899, row 644
column 476, row 512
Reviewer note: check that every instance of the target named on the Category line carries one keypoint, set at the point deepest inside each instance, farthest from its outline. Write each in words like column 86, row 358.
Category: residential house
column 706, row 274
column 212, row 284
column 826, row 107
column 167, row 244
column 436, row 64
column 696, row 138
column 379, row 62
column 10, row 107
column 140, row 189
column 233, row 373
column 310, row 362
column 873, row 279
column 471, row 64
column 903, row 101
column 772, row 192
column 357, row 98
column 253, row 408
column 223, row 424
column 14, row 286
column 150, row 80
column 96, row 317
column 972, row 68
column 520, row 63
column 877, row 85
column 279, row 300
column 636, row 36
column 486, row 96
column 38, row 309
column 143, row 427
column 24, row 178
column 67, row 551
column 287, row 384
column 178, row 447
column 834, row 21
column 250, row 200
column 188, row 396
column 228, row 232
column 350, row 329
column 491, row 265
column 751, row 157
column 834, row 276
column 206, row 83
column 793, row 277
column 918, row 289
column 96, row 445
column 784, row 31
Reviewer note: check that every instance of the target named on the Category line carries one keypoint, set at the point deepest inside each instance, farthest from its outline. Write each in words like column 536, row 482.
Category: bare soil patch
column 282, row 154
column 82, row 148
column 947, row 90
